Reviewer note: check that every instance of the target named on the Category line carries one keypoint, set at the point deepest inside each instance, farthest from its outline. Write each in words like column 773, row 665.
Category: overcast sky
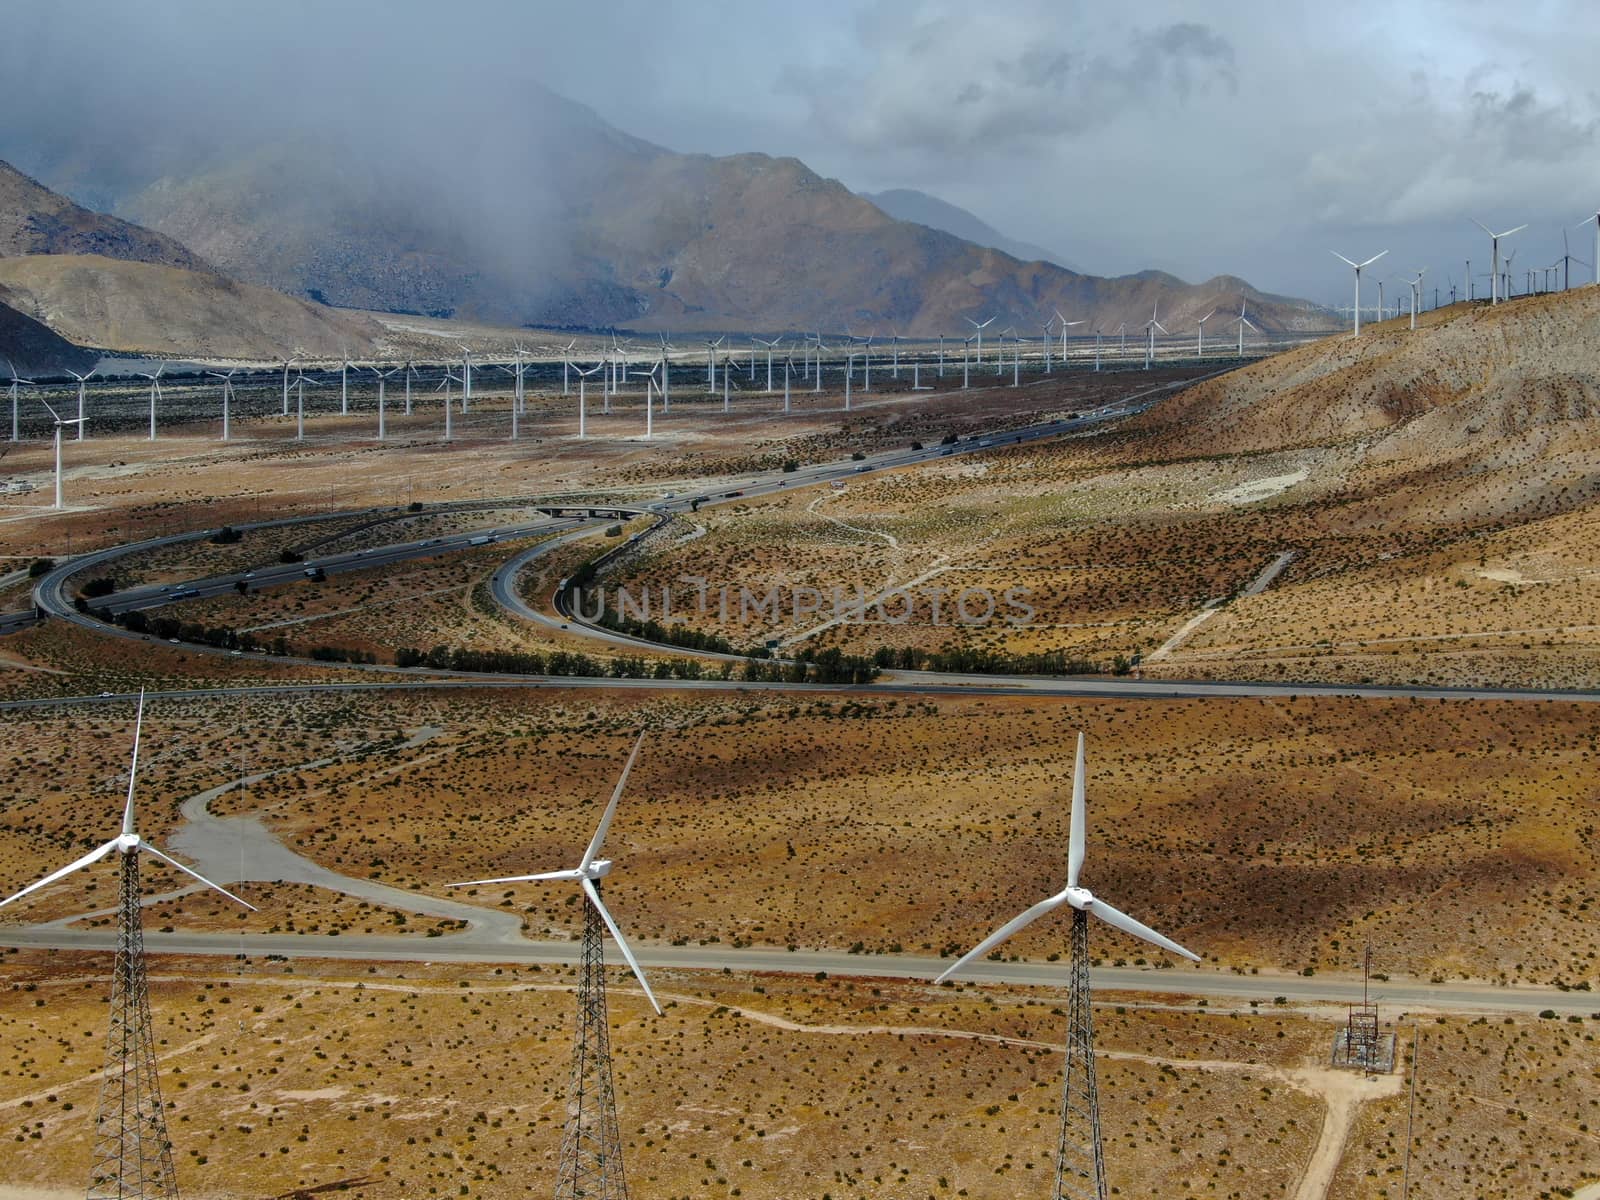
column 1243, row 137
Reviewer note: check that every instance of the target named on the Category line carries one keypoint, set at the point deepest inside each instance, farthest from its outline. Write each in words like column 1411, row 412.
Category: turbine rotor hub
column 1080, row 898
column 598, row 869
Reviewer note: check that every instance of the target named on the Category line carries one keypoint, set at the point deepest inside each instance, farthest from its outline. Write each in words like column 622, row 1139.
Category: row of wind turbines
column 851, row 356
column 133, row 1155
column 1500, row 275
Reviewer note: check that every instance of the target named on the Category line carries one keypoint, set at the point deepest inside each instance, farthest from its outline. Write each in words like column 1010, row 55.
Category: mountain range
column 576, row 225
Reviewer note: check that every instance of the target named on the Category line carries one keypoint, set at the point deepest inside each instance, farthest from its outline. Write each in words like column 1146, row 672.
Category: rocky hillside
column 35, row 220
column 147, row 308
column 1502, row 403
column 34, row 349
column 86, row 278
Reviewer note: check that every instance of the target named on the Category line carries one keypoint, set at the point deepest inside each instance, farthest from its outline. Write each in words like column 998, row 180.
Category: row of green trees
column 988, row 662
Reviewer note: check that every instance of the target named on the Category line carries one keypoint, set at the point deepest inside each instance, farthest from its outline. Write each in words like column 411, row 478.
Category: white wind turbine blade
column 1482, row 226
column 594, row 898
column 1075, row 833
column 190, row 871
column 1509, row 232
column 1341, row 258
column 610, row 808
column 1005, row 931
column 133, row 769
column 53, row 413
column 1374, row 258
column 1127, row 924
column 569, row 873
column 93, row 856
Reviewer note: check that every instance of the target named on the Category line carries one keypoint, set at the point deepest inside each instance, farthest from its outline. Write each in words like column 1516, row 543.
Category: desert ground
column 1278, row 836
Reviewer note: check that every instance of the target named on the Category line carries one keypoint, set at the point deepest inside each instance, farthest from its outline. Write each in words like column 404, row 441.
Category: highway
column 1176, row 981
column 278, row 574
column 50, row 595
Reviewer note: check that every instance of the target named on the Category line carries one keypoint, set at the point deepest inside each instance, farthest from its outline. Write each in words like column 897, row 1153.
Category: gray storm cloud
column 1245, row 137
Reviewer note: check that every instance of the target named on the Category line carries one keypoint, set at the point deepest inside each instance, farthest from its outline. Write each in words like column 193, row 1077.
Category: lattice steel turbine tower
column 1080, row 1158
column 591, row 1143
column 132, row 1152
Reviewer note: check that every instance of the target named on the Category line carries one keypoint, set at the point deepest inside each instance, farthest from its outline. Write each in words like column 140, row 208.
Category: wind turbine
column 816, row 385
column 1241, row 321
column 383, row 378
column 894, row 345
column 466, row 380
column 410, row 371
column 583, row 383
column 1567, row 259
column 1494, row 243
column 711, row 364
column 155, row 394
column 649, row 382
column 132, row 1152
column 727, row 379
column 1358, row 267
column 444, row 386
column 1150, row 328
column 287, row 363
column 59, row 423
column 788, row 370
column 1200, row 334
column 566, row 366
column 666, row 373
column 227, row 399
column 1416, row 289
column 966, row 361
column 518, row 391
column 344, row 387
column 300, row 406
column 979, row 329
column 771, row 346
column 591, row 1143
column 1064, row 324
column 1596, row 264
column 1506, row 278
column 1080, row 1160
column 16, row 382
column 82, row 379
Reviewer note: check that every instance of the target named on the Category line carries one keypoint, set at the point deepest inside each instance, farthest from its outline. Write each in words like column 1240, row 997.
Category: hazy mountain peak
column 908, row 204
